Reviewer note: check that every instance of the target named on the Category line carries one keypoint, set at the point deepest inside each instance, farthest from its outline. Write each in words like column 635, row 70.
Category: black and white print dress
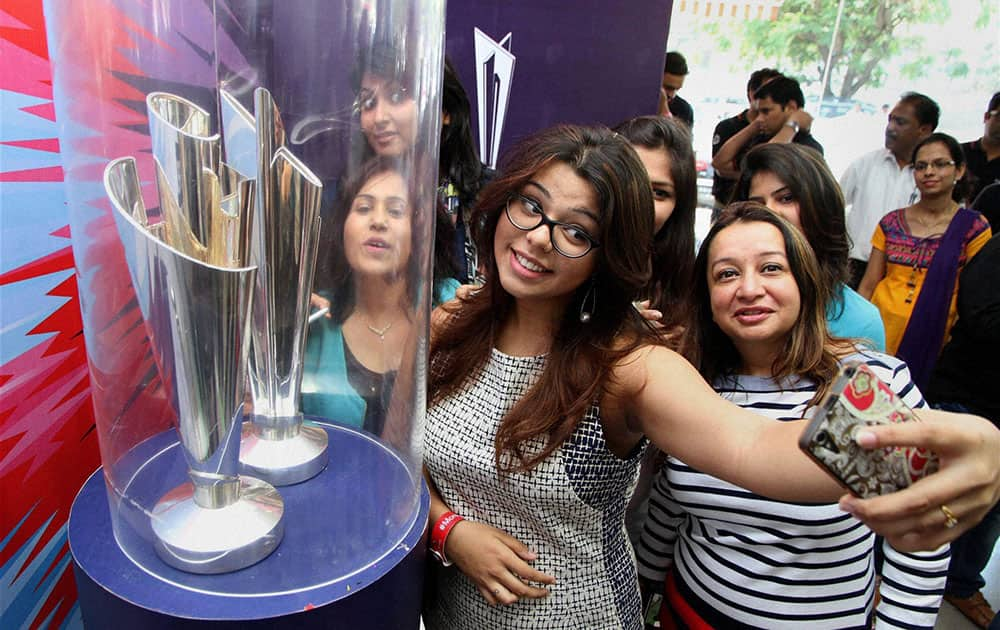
column 569, row 510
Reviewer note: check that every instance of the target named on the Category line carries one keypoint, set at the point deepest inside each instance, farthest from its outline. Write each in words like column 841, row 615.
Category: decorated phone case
column 858, row 399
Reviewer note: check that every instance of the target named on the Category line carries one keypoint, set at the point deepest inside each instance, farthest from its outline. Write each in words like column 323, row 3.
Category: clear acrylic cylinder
column 252, row 191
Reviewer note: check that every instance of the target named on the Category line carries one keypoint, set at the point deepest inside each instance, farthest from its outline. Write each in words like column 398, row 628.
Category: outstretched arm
column 668, row 401
column 664, row 397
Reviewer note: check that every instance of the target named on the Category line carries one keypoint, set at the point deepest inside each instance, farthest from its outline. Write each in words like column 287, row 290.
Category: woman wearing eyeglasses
column 545, row 384
column 917, row 253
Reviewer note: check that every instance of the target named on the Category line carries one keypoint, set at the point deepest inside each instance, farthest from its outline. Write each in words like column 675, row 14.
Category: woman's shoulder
column 894, row 372
column 979, row 225
column 324, row 328
column 642, row 361
column 856, row 318
column 445, row 290
column 886, row 367
column 893, row 221
column 855, row 354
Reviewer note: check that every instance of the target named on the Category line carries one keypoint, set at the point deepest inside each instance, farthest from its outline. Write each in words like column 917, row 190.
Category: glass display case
column 252, row 191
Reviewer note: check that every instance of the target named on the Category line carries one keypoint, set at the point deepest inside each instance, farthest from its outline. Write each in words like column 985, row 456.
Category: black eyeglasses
column 938, row 165
column 569, row 240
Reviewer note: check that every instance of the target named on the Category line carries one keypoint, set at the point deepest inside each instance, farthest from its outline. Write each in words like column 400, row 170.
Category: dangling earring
column 589, row 296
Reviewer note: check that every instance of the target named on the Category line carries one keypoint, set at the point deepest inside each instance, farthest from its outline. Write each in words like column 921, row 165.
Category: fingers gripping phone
column 858, row 399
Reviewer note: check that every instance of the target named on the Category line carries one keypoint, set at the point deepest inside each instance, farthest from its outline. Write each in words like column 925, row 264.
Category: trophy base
column 208, row 541
column 284, row 462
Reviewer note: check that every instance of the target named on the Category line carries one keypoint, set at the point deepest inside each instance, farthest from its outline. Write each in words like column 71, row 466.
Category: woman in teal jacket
column 353, row 354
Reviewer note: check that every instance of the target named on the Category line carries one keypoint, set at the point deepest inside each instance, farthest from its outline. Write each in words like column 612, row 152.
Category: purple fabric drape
column 925, row 330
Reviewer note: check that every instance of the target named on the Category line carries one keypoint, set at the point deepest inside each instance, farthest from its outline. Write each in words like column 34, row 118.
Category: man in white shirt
column 882, row 181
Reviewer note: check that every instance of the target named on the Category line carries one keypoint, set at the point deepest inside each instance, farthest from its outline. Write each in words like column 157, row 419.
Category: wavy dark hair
column 927, row 111
column 821, row 205
column 459, row 160
column 582, row 355
column 808, row 350
column 673, row 244
column 341, row 275
column 782, row 90
column 387, row 59
column 961, row 189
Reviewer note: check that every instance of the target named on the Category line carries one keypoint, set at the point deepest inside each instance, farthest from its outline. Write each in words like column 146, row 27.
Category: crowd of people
column 592, row 336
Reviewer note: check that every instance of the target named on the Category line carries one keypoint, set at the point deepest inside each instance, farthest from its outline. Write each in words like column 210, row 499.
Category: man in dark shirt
column 965, row 379
column 722, row 187
column 982, row 157
column 780, row 118
column 987, row 202
column 675, row 69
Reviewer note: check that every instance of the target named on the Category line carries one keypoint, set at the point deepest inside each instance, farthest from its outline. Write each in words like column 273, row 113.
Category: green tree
column 871, row 32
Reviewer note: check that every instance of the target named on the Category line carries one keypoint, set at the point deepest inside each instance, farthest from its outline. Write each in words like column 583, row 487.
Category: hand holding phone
column 857, row 399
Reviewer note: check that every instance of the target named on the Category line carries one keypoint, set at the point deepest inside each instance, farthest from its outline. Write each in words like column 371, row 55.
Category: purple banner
column 530, row 64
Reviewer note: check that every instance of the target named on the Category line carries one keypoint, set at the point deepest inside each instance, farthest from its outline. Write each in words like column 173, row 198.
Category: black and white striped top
column 772, row 564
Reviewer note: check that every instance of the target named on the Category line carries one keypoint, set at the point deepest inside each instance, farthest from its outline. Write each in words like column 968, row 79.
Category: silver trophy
column 194, row 286
column 277, row 445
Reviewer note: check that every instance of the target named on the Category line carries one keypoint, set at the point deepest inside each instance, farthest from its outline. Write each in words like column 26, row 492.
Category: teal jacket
column 858, row 318
column 326, row 390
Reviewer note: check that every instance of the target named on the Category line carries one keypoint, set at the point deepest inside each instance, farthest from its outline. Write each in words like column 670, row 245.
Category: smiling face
column 388, row 115
column 378, row 227
column 753, row 294
column 657, row 163
column 767, row 189
column 936, row 181
column 529, row 268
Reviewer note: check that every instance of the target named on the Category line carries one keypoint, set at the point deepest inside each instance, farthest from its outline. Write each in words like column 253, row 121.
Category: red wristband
column 439, row 533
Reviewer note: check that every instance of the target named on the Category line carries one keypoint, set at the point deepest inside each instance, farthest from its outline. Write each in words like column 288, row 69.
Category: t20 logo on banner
column 494, row 72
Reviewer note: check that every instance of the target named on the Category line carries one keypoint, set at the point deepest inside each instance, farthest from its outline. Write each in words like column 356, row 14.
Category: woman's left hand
column 318, row 302
column 963, row 490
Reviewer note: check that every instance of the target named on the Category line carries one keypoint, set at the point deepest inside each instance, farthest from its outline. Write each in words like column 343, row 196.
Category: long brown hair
column 808, row 350
column 673, row 245
column 581, row 356
column 821, row 205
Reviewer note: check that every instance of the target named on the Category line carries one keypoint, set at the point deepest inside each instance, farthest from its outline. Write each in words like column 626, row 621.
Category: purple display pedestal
column 352, row 557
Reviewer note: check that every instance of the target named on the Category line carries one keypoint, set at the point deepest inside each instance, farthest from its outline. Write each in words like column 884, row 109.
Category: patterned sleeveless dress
column 569, row 510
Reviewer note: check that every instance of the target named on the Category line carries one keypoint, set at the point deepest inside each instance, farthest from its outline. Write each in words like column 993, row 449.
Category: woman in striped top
column 730, row 557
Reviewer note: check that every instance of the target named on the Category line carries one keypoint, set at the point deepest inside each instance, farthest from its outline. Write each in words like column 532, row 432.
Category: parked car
column 832, row 107
column 703, row 168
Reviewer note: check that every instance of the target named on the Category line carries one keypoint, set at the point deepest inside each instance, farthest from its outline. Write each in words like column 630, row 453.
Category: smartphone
column 857, row 399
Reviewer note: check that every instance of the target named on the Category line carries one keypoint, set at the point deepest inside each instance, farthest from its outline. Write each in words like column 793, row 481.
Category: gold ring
column 950, row 520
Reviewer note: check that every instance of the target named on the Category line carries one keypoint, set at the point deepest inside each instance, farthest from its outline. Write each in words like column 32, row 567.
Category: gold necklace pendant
column 379, row 331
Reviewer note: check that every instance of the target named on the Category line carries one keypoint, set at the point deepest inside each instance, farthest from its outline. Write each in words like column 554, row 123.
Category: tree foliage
column 871, row 32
